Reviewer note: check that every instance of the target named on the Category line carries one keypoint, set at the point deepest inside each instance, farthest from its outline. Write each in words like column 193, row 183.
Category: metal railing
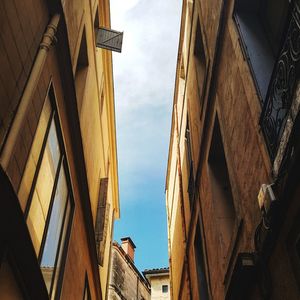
column 282, row 85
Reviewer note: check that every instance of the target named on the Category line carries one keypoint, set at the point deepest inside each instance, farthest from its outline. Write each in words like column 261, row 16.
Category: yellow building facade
column 59, row 172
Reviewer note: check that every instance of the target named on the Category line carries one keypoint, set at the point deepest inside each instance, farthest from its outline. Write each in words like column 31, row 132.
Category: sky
column 144, row 78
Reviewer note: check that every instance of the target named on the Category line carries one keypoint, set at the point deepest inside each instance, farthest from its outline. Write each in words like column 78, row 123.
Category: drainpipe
column 30, row 88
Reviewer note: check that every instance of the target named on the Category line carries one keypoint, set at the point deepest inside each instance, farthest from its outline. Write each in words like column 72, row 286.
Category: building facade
column 126, row 282
column 59, row 179
column 159, row 281
column 233, row 169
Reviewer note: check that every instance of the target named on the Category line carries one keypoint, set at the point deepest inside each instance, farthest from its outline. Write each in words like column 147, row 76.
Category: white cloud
column 144, row 75
column 120, row 8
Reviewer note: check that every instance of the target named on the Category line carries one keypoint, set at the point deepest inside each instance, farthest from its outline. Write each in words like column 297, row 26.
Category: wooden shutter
column 100, row 217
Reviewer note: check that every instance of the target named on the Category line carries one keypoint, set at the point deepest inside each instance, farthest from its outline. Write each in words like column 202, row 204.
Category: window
column 81, row 71
column 191, row 183
column 199, row 256
column 200, row 62
column 164, row 288
column 49, row 206
column 221, row 188
column 261, row 25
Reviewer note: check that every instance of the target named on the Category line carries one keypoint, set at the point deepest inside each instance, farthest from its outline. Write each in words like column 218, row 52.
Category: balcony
column 281, row 104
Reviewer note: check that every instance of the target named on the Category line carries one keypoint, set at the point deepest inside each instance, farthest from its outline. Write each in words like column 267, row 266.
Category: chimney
column 128, row 246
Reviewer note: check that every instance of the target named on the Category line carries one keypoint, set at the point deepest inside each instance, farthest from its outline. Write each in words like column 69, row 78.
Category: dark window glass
column 165, row 288
column 261, row 25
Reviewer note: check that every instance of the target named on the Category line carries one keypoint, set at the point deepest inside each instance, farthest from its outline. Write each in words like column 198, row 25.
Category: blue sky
column 144, row 77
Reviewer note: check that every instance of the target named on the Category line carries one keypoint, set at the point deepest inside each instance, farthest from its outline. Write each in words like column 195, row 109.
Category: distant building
column 126, row 282
column 58, row 158
column 233, row 178
column 159, row 281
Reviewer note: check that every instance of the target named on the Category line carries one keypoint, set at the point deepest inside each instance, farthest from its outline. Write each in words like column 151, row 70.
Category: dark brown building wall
column 245, row 153
column 246, row 167
column 231, row 98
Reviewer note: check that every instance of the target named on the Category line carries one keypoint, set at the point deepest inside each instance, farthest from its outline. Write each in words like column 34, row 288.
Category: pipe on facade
column 30, row 88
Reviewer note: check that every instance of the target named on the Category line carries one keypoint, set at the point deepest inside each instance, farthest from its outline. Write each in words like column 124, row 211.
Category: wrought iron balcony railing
column 282, row 85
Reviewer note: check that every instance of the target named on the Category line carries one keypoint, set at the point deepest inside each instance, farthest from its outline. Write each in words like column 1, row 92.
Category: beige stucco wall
column 156, row 287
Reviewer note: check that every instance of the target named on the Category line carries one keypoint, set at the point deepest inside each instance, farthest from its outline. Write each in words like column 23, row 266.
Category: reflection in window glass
column 34, row 154
column 55, row 223
column 60, row 249
column 44, row 185
column 50, row 205
column 52, row 144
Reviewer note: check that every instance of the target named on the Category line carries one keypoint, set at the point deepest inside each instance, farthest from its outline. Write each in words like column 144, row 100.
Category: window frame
column 62, row 165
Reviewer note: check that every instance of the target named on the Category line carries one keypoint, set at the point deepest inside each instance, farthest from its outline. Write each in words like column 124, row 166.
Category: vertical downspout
column 30, row 88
